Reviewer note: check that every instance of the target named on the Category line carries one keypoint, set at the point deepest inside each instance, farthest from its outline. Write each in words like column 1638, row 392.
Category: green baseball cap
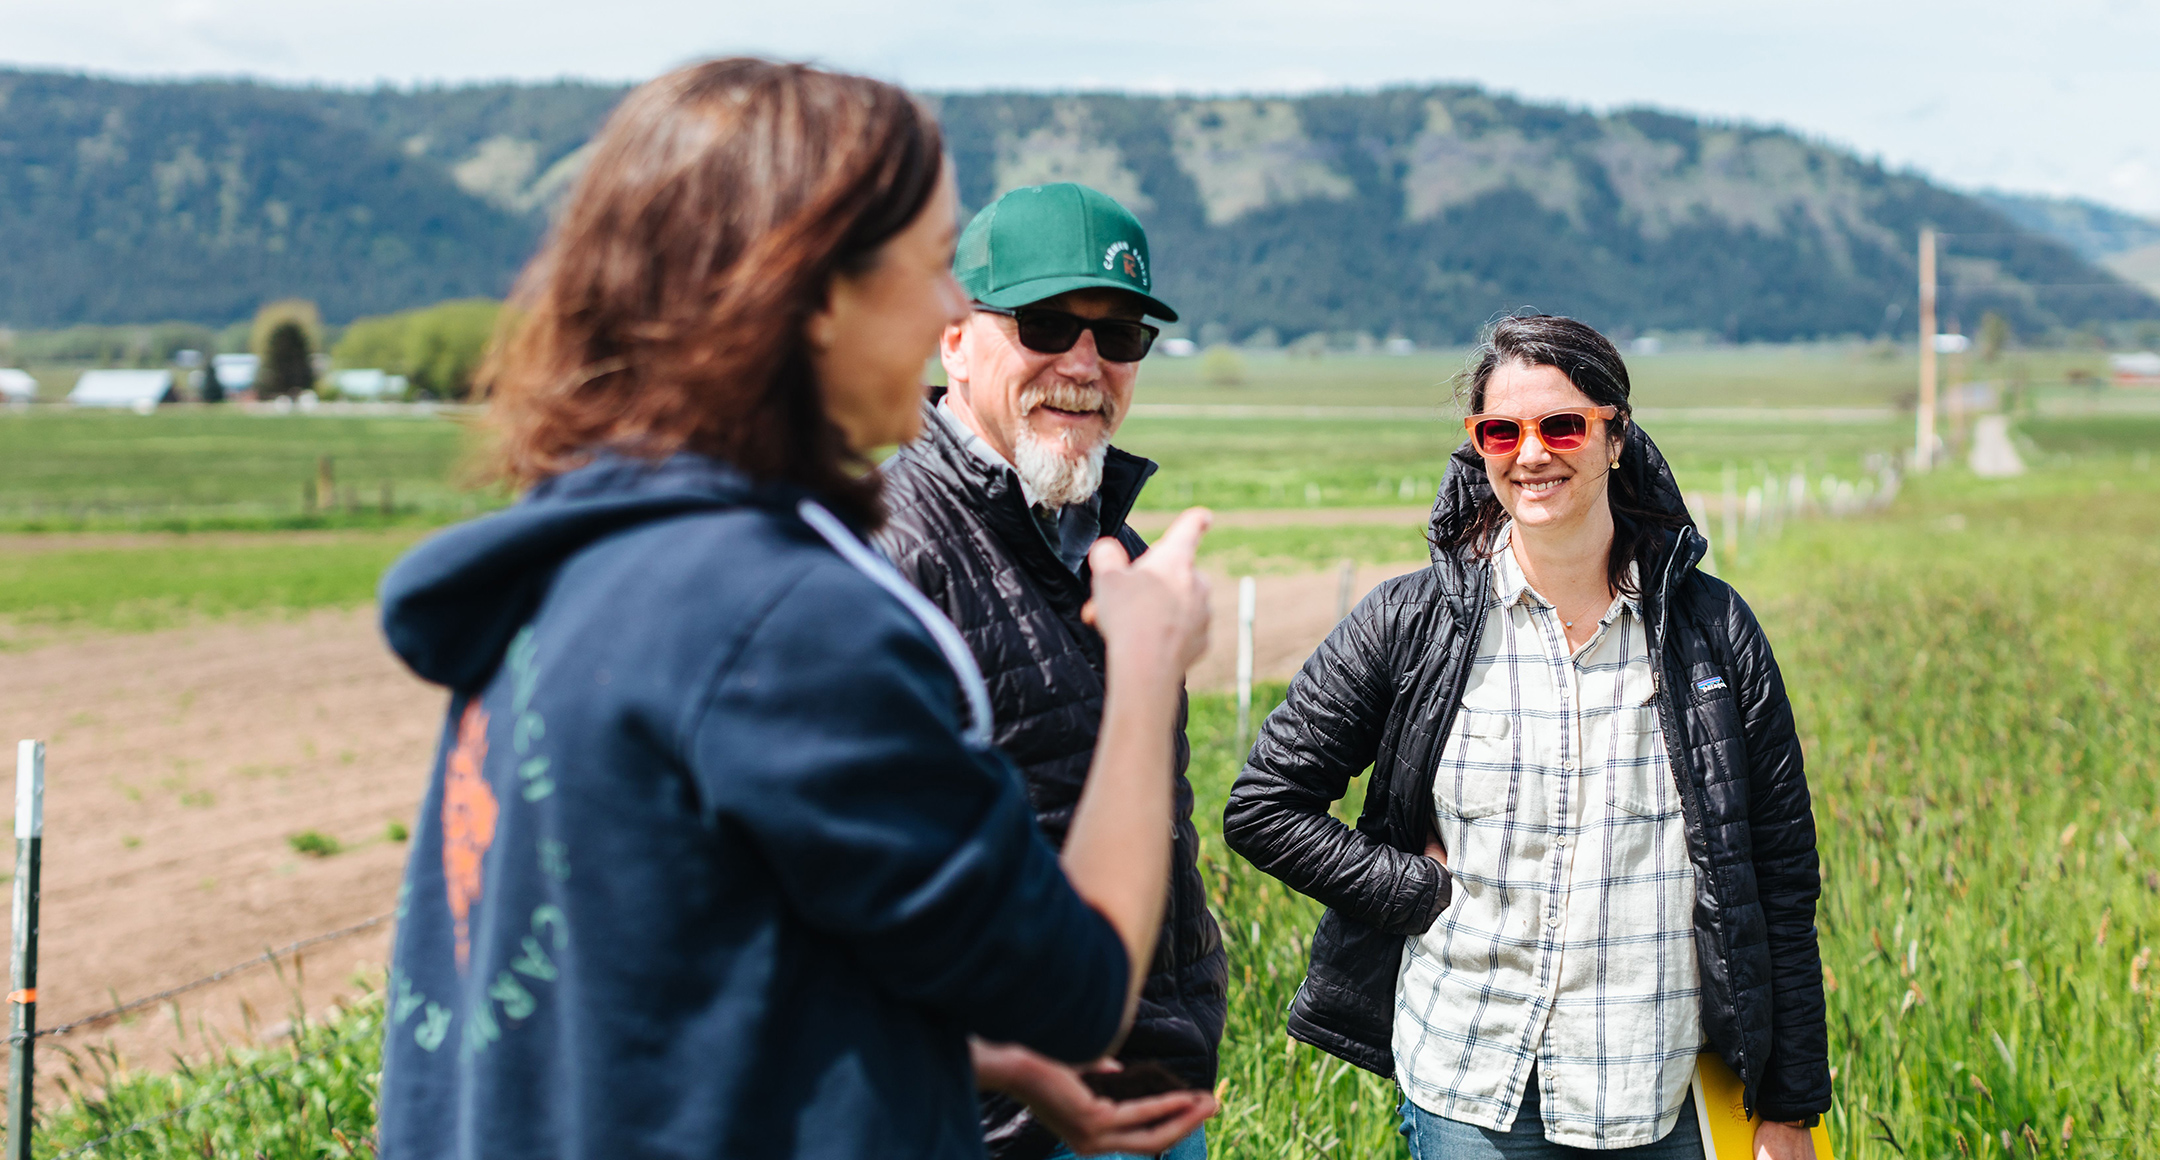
column 1043, row 240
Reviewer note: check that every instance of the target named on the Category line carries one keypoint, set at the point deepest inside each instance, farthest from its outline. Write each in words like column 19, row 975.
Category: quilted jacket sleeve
column 1787, row 874
column 1324, row 734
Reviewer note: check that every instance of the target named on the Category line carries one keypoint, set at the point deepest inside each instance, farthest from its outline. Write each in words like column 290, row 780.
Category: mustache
column 1066, row 397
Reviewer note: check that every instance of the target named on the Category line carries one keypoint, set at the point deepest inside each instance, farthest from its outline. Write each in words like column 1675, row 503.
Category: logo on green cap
column 1135, row 262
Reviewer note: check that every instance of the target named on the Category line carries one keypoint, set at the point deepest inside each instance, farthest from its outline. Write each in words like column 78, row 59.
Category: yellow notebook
column 1727, row 1131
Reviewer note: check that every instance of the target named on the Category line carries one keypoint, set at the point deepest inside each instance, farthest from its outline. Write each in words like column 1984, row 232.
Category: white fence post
column 1247, row 598
column 1729, row 503
column 29, row 843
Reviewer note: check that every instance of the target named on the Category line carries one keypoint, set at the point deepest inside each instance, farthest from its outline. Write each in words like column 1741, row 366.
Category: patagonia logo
column 1709, row 684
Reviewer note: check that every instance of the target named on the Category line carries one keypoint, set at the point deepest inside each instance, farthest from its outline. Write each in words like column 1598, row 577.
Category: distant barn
column 2141, row 369
column 139, row 390
column 236, row 372
column 369, row 384
column 16, row 386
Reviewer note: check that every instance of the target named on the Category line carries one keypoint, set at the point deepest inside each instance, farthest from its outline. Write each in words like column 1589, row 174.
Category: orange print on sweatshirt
column 468, row 823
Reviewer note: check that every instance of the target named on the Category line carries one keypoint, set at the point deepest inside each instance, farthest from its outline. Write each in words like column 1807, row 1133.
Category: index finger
column 1182, row 540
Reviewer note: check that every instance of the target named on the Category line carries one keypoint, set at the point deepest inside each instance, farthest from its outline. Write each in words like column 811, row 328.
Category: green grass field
column 1972, row 672
column 238, row 469
column 174, row 581
column 202, row 469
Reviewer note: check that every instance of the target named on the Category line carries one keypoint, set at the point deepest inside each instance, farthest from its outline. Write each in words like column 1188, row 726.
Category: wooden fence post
column 22, row 1000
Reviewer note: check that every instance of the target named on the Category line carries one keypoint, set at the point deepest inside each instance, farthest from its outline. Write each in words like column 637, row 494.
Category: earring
column 1616, row 465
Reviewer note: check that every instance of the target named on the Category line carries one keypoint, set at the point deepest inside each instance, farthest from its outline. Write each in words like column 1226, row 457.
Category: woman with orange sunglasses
column 1586, row 854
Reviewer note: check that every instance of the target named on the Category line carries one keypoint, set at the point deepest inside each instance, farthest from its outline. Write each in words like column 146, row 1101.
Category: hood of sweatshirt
column 452, row 604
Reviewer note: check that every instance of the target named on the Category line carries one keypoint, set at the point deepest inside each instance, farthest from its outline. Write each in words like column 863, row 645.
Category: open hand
column 1088, row 1123
column 1155, row 607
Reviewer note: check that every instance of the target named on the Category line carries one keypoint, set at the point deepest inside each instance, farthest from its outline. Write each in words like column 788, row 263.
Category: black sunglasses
column 1047, row 331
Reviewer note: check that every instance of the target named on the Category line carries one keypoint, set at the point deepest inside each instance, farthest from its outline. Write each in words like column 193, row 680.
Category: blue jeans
column 1434, row 1137
column 1193, row 1147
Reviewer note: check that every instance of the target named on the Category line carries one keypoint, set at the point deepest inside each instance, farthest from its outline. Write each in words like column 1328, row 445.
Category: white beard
column 1057, row 470
column 1057, row 473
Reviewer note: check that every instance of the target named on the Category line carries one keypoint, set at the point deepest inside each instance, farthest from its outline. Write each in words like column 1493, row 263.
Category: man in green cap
column 993, row 512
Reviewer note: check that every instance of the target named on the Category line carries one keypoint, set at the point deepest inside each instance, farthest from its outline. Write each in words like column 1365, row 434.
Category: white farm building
column 16, row 386
column 236, row 372
column 137, row 390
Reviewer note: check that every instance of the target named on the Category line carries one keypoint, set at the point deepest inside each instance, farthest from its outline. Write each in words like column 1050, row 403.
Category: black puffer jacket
column 962, row 533
column 1382, row 692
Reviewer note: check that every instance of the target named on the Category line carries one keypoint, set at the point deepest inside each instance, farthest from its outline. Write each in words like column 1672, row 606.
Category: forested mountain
column 2091, row 229
column 2125, row 243
column 1413, row 211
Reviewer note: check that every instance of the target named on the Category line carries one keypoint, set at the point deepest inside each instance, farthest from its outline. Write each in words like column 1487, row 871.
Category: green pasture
column 166, row 581
column 232, row 471
column 1382, row 462
column 1827, row 405
column 209, row 468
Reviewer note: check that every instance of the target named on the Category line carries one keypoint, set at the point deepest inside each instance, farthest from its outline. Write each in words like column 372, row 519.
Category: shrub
column 438, row 349
column 1222, row 367
column 314, row 843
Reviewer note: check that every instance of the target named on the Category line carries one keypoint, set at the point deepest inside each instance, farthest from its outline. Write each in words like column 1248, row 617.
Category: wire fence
column 267, row 957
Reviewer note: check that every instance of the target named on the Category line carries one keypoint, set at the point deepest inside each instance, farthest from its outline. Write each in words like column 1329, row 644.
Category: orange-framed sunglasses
column 1567, row 429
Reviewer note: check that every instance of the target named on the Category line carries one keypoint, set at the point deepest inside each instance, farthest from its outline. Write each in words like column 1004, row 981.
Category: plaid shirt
column 1570, row 941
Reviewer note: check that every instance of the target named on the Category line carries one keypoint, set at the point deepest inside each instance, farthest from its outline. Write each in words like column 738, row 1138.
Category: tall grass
column 1977, row 694
column 1974, row 682
column 309, row 1099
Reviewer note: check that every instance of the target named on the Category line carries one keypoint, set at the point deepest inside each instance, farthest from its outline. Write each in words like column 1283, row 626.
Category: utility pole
column 1924, row 437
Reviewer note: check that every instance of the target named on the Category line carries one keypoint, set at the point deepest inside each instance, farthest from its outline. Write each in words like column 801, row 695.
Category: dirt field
column 180, row 764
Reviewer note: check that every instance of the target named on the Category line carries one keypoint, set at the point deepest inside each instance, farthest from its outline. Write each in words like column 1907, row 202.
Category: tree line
column 437, row 349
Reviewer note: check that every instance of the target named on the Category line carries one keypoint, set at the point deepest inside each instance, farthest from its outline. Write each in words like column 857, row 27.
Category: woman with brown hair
column 715, row 860
column 1586, row 853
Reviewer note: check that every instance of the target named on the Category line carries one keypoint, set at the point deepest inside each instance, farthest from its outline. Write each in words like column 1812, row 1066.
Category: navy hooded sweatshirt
column 708, row 864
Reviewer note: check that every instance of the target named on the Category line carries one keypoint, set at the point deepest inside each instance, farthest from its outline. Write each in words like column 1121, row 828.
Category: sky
column 2061, row 97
